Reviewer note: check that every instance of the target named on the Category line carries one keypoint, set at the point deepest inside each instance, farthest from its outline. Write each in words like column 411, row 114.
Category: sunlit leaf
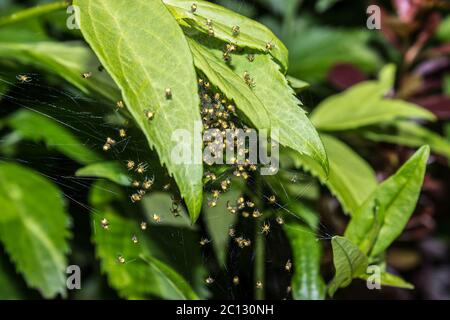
column 109, row 170
column 144, row 65
column 382, row 217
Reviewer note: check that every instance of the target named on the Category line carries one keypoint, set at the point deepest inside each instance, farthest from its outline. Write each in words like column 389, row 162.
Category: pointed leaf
column 252, row 34
column 382, row 217
column 349, row 263
column 111, row 170
column 132, row 44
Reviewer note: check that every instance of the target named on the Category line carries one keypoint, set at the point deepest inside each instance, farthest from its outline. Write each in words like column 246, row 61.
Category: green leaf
column 297, row 84
column 111, row 170
column 251, row 35
column 412, row 135
column 443, row 32
column 160, row 203
column 69, row 60
column 446, row 85
column 382, row 217
column 307, row 283
column 364, row 105
column 314, row 50
column 271, row 90
column 144, row 64
column 173, row 278
column 349, row 263
column 218, row 222
column 38, row 127
column 351, row 179
column 34, row 228
column 136, row 278
column 390, row 280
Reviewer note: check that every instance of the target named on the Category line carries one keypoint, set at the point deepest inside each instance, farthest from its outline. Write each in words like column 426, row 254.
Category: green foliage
column 68, row 60
column 108, row 170
column 363, row 105
column 384, row 214
column 39, row 127
column 349, row 263
column 34, row 228
column 143, row 81
column 307, row 283
column 351, row 179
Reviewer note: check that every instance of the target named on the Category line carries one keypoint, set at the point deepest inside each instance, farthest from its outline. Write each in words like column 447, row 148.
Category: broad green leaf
column 314, row 50
column 364, row 105
column 349, row 262
column 136, row 278
column 35, row 126
column 390, row 280
column 34, row 228
column 272, row 90
column 132, row 44
column 69, row 60
column 307, row 283
column 252, row 34
column 351, row 179
column 382, row 217
column 218, row 222
column 161, row 203
column 111, row 170
column 412, row 135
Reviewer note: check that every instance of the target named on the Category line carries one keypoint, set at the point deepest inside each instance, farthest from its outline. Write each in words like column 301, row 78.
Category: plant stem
column 259, row 267
column 32, row 12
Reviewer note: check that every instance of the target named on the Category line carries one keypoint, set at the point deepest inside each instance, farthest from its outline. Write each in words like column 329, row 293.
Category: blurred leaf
column 173, row 278
column 324, row 5
column 351, row 179
column 382, row 217
column 252, row 34
column 34, row 228
column 135, row 278
column 37, row 127
column 446, row 85
column 307, row 282
column 443, row 32
column 412, row 135
column 27, row 31
column 283, row 7
column 297, row 84
column 109, row 170
column 218, row 222
column 314, row 50
column 124, row 51
column 69, row 60
column 349, row 262
column 160, row 203
column 390, row 280
column 246, row 9
column 272, row 90
column 363, row 105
